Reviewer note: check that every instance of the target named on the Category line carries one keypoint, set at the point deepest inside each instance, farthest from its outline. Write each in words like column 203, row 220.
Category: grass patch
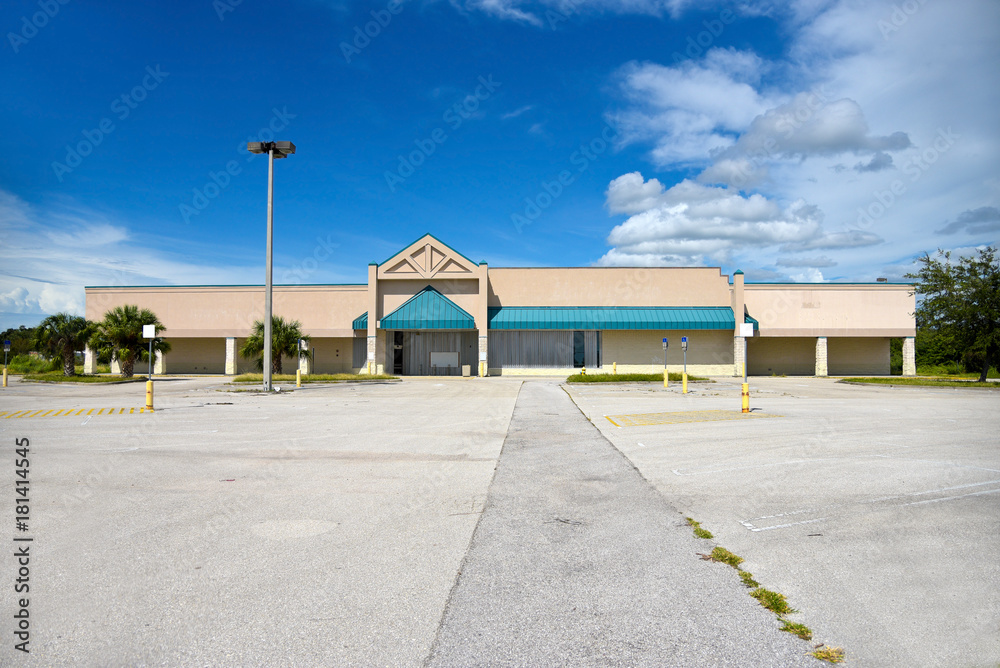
column 311, row 378
column 773, row 601
column 922, row 382
column 628, row 378
column 801, row 630
column 831, row 654
column 748, row 580
column 32, row 364
column 698, row 531
column 58, row 377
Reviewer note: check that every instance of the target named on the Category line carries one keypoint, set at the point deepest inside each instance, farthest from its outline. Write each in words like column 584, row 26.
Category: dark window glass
column 579, row 350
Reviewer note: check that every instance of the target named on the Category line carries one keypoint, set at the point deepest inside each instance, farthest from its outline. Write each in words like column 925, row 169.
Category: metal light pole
column 274, row 149
column 6, row 349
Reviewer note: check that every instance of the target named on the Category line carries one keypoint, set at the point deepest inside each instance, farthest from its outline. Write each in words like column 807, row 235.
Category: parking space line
column 869, row 505
column 682, row 417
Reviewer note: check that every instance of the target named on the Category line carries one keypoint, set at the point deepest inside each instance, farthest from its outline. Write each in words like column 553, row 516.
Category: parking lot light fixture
column 274, row 150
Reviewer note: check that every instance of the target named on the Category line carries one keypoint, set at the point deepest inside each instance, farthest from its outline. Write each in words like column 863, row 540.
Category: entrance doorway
column 433, row 353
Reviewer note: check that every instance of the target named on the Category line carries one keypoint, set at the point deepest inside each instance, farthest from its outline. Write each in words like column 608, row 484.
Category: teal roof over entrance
column 361, row 322
column 612, row 317
column 428, row 309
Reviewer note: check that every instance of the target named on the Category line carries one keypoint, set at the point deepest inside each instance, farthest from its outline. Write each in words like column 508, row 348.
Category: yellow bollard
column 298, row 378
column 746, row 397
column 5, row 377
column 149, row 395
column 614, row 367
column 666, row 378
column 685, row 383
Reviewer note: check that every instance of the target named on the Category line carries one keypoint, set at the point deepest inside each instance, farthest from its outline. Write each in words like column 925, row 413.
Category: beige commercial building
column 429, row 310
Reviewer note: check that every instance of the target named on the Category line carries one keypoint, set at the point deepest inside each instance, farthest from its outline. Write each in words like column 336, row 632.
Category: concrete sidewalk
column 577, row 560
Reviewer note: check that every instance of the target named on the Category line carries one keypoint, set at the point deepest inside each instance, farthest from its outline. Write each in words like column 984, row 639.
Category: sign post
column 746, row 331
column 665, row 374
column 6, row 349
column 684, row 382
column 149, row 332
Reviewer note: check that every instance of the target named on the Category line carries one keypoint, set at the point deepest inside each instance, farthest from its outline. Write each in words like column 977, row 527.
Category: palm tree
column 285, row 336
column 119, row 336
column 61, row 335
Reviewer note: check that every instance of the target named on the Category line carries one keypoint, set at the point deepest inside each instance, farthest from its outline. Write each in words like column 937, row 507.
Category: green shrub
column 33, row 364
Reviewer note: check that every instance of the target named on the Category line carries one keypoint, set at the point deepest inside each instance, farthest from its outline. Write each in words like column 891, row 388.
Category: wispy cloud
column 517, row 112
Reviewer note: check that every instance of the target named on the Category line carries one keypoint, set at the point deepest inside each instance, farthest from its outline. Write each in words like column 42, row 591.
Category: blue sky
column 809, row 140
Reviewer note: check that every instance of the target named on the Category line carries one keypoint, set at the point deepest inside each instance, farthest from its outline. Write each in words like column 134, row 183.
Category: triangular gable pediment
column 427, row 257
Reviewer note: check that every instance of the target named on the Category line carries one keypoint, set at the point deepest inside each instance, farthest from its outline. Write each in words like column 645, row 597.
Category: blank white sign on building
column 443, row 360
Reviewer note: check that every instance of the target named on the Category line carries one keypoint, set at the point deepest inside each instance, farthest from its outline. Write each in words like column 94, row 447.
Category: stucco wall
column 608, row 286
column 394, row 293
column 190, row 355
column 333, row 355
column 791, row 356
column 858, row 356
column 831, row 309
column 221, row 311
column 709, row 352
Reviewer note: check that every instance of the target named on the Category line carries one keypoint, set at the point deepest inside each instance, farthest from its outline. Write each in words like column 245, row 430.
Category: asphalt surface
column 472, row 522
column 577, row 560
column 875, row 510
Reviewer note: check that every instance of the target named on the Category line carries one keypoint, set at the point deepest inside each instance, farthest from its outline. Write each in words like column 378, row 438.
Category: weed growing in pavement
column 698, row 531
column 801, row 630
column 773, row 601
column 723, row 555
column 831, row 654
column 748, row 580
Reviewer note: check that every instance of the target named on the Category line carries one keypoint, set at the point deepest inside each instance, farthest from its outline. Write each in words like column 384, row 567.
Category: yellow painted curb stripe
column 612, row 421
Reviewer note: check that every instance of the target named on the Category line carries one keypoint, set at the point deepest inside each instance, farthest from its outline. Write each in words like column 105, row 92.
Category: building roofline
column 228, row 285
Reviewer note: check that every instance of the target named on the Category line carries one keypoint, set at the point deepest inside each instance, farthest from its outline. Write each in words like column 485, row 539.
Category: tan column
column 305, row 363
column 380, row 343
column 230, row 355
column 821, row 357
column 89, row 360
column 909, row 356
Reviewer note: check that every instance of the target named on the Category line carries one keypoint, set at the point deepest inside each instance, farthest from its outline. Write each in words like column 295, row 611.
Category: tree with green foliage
column 20, row 339
column 960, row 301
column 119, row 337
column 285, row 337
column 61, row 335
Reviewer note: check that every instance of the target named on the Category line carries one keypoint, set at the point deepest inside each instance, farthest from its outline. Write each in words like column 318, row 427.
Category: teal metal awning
column 428, row 309
column 756, row 325
column 612, row 317
column 361, row 322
